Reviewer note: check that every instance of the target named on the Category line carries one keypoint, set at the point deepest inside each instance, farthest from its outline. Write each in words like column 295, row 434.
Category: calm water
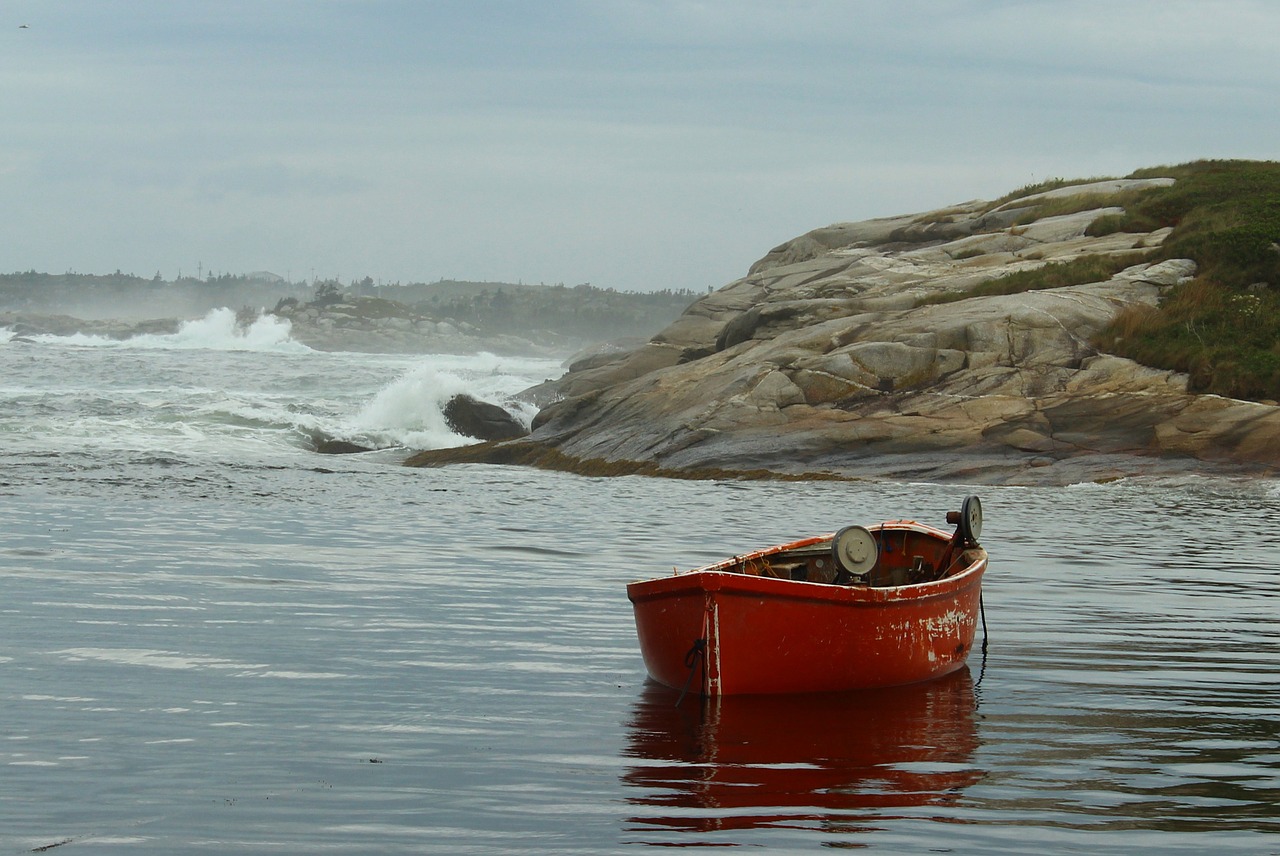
column 215, row 641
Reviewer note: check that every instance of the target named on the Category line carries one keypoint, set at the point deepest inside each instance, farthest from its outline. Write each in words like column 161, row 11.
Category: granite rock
column 828, row 356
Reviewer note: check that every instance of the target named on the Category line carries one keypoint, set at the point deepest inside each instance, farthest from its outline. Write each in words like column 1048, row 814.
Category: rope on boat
column 982, row 611
column 982, row 671
column 698, row 652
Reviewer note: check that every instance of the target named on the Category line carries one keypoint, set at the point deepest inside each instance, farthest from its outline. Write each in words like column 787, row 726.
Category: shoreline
column 931, row 467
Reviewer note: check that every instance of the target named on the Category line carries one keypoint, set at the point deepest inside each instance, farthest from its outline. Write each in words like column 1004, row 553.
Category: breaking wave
column 219, row 330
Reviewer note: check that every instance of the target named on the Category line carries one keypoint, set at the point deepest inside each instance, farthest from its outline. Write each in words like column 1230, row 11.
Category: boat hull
column 727, row 633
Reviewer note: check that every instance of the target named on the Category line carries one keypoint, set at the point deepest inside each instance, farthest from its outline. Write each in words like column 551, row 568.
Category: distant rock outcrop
column 828, row 357
column 36, row 324
column 376, row 325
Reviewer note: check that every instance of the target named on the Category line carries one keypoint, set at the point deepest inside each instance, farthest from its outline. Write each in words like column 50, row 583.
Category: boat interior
column 893, row 557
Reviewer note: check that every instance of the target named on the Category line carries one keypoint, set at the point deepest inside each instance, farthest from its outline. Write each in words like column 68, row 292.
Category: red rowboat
column 864, row 607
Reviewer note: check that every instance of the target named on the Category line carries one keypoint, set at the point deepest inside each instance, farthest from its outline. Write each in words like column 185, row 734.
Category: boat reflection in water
column 830, row 761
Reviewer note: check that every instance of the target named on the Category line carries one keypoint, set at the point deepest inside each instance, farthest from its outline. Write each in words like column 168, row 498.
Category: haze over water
column 213, row 640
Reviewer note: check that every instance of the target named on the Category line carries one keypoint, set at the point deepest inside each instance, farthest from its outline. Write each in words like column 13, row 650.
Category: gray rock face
column 823, row 359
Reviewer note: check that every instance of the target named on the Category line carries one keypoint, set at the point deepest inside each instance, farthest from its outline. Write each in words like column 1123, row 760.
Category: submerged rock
column 331, row 446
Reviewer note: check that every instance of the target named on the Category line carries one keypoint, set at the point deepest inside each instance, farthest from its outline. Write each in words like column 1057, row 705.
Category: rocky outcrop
column 481, row 420
column 829, row 356
column 332, row 446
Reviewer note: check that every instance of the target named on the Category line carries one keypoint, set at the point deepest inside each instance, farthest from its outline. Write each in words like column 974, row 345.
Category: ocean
column 215, row 640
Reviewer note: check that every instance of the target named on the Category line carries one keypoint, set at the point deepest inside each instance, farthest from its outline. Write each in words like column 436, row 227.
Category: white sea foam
column 217, row 331
column 216, row 389
column 410, row 411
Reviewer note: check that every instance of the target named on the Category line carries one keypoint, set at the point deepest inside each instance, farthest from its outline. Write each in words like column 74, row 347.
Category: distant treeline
column 498, row 307
column 124, row 295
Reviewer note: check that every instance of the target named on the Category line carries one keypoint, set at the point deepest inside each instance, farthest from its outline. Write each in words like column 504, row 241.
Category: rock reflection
column 827, row 761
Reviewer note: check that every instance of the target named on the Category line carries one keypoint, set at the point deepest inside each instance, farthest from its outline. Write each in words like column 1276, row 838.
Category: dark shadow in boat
column 831, row 760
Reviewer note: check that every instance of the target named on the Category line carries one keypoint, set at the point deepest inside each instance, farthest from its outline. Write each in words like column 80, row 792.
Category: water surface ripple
column 383, row 661
column 203, row 651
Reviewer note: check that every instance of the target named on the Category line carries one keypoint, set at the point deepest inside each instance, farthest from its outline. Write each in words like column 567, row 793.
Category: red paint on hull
column 767, row 635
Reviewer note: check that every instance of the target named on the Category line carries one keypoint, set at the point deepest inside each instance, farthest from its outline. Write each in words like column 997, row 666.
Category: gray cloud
column 630, row 144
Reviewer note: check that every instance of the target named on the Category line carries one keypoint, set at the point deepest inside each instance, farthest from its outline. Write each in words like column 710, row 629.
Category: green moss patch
column 1223, row 328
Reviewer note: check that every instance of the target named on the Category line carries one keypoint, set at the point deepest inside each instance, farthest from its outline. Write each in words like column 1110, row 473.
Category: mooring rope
column 982, row 670
column 982, row 611
column 697, row 652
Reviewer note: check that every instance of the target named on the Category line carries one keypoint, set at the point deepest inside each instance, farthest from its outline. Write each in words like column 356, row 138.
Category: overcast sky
column 632, row 144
